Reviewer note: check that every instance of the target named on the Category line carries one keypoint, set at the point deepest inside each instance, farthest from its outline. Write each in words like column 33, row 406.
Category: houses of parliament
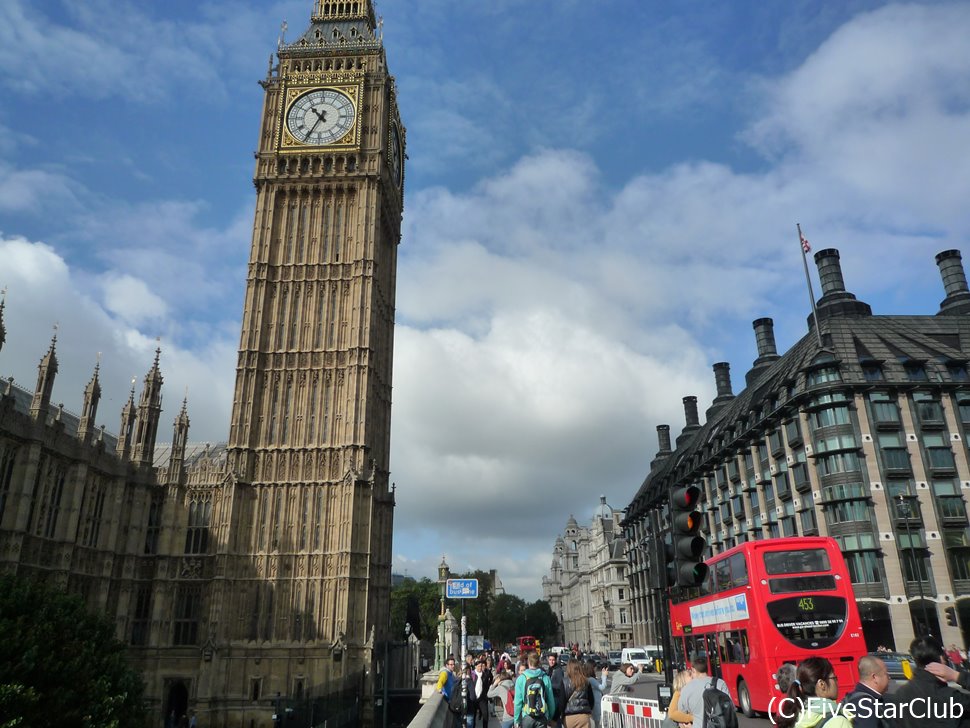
column 260, row 566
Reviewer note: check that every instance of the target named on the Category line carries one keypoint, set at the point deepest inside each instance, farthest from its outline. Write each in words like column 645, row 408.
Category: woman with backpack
column 503, row 690
column 579, row 696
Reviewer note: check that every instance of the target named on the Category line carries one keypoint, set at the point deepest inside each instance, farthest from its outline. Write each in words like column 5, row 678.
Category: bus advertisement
column 766, row 603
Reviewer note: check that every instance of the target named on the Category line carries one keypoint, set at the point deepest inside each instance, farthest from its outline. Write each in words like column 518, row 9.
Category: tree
column 541, row 622
column 427, row 594
column 59, row 664
column 508, row 619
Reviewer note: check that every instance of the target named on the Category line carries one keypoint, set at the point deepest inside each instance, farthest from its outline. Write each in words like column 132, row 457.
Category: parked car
column 613, row 659
column 894, row 663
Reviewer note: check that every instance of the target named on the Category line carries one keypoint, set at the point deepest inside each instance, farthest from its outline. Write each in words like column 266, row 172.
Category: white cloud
column 42, row 290
column 130, row 300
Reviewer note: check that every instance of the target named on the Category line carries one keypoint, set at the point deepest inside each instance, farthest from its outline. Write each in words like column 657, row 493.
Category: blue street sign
column 462, row 589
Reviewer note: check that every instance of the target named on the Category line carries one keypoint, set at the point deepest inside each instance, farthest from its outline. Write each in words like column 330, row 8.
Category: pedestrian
column 192, row 723
column 953, row 655
column 599, row 687
column 534, row 686
column 471, row 686
column 866, row 697
column 675, row 716
column 626, row 675
column 811, row 698
column 447, row 683
column 501, row 689
column 578, row 693
column 482, row 681
column 924, row 688
column 692, row 695
column 556, row 676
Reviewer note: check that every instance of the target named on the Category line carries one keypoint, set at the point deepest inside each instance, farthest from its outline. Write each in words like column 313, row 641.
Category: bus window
column 809, row 621
column 734, row 646
column 739, row 570
column 803, row 561
column 722, row 575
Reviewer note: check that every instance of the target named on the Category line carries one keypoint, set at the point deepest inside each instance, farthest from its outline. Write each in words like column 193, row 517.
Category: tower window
column 197, row 534
column 188, row 606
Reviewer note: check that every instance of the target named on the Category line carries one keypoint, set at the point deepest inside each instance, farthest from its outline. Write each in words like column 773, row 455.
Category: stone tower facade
column 253, row 576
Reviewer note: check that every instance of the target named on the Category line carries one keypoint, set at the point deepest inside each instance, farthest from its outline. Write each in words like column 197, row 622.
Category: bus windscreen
column 811, row 622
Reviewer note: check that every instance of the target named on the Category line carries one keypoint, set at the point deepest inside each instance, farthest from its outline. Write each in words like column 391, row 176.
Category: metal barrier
column 620, row 711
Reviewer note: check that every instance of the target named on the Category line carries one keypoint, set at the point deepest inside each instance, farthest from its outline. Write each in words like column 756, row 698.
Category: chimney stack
column 663, row 437
column 690, row 412
column 722, row 380
column 957, row 299
column 764, row 336
column 835, row 300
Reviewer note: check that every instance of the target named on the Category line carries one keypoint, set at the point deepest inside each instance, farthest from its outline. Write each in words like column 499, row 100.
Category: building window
column 915, row 372
column 8, row 455
column 938, row 452
column 835, row 442
column 845, row 491
column 929, row 411
column 92, row 511
column 958, row 372
column 47, row 501
column 841, row 462
column 141, row 619
column 154, row 526
column 808, row 522
column 956, row 541
column 949, row 502
column 873, row 373
column 895, row 456
column 884, row 408
column 623, row 618
column 913, row 555
column 782, row 484
column 847, row 512
column 197, row 534
column 188, row 607
column 823, row 375
column 861, row 558
column 830, row 416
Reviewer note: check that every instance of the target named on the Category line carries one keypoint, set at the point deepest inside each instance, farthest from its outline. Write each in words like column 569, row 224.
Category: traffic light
column 689, row 569
column 951, row 616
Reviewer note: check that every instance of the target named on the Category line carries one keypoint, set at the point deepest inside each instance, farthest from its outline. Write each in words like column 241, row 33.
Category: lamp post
column 444, row 573
column 903, row 501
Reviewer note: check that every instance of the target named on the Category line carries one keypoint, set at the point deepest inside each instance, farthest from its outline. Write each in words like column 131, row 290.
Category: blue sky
column 600, row 199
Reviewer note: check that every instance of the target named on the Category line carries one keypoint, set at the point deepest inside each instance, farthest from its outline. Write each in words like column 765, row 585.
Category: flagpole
column 808, row 279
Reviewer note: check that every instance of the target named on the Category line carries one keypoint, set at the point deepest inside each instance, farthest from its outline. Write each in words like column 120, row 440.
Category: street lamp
column 444, row 573
column 903, row 501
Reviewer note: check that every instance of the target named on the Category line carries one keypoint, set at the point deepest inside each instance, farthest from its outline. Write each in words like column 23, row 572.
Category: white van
column 636, row 656
column 654, row 653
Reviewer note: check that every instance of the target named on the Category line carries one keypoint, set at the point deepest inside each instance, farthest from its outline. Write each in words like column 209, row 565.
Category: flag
column 806, row 248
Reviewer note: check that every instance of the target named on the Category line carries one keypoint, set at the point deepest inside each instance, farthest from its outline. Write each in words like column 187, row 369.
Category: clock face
column 395, row 154
column 321, row 117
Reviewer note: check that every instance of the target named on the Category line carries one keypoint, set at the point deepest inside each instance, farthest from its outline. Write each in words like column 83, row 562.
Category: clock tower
column 308, row 449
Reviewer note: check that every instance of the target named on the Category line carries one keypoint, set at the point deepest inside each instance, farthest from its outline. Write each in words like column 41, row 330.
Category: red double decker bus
column 770, row 602
column 527, row 644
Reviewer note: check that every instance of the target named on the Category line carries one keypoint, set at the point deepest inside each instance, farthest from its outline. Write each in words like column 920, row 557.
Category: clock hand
column 316, row 123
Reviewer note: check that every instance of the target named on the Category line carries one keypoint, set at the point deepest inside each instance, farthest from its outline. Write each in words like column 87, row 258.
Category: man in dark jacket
column 555, row 673
column 925, row 699
column 866, row 698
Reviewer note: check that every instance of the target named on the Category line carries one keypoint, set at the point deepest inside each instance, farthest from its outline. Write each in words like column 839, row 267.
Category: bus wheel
column 744, row 697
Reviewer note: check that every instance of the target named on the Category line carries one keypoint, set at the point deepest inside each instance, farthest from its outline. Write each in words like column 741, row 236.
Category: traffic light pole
column 663, row 597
